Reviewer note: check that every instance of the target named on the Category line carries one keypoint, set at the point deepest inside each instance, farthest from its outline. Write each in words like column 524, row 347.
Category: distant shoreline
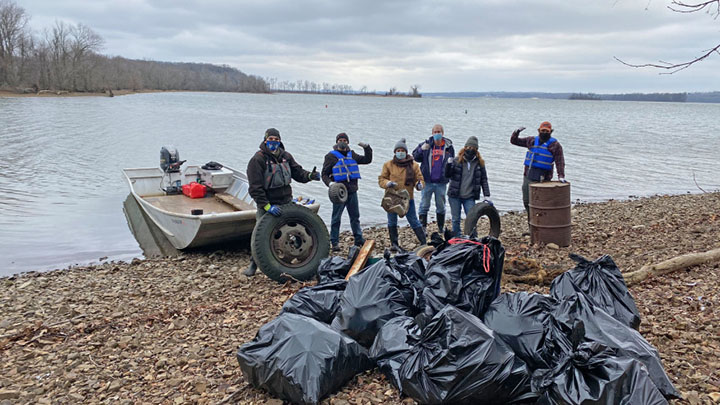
column 63, row 93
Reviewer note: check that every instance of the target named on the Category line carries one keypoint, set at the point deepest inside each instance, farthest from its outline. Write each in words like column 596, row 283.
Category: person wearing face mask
column 543, row 152
column 401, row 172
column 467, row 177
column 270, row 172
column 433, row 154
column 341, row 166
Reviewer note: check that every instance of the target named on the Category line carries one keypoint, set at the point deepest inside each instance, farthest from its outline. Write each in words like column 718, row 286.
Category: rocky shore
column 167, row 330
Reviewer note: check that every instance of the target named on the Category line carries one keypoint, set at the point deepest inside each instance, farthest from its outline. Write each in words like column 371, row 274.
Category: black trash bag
column 464, row 273
column 392, row 346
column 335, row 267
column 320, row 302
column 601, row 327
column 524, row 322
column 603, row 283
column 594, row 374
column 413, row 267
column 372, row 297
column 301, row 360
column 460, row 360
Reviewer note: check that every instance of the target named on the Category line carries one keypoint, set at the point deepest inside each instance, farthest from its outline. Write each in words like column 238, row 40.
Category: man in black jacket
column 341, row 166
column 270, row 172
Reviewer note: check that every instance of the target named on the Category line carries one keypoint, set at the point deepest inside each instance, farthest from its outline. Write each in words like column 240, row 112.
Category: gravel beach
column 167, row 330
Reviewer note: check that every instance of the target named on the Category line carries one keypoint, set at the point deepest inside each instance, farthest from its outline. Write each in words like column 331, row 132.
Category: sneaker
column 359, row 243
column 336, row 248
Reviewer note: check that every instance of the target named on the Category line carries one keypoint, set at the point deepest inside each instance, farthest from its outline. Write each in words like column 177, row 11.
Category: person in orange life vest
column 341, row 166
column 433, row 155
column 543, row 153
column 270, row 172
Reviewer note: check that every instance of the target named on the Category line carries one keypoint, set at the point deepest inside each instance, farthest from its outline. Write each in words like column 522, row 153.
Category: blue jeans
column 354, row 214
column 411, row 217
column 439, row 189
column 456, row 204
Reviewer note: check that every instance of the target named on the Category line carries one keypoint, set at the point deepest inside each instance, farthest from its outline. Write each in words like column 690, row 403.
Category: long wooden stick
column 362, row 258
column 671, row 265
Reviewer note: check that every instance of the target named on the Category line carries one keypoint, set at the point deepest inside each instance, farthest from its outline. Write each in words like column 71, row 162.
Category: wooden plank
column 362, row 258
column 235, row 202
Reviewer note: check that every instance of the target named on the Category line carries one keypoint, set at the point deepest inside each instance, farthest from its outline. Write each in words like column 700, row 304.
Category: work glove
column 419, row 186
column 561, row 179
column 390, row 184
column 314, row 175
column 364, row 145
column 519, row 130
column 487, row 200
column 425, row 146
column 273, row 210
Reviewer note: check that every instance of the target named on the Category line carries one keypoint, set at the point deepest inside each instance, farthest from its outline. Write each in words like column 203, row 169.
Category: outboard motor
column 170, row 159
column 170, row 164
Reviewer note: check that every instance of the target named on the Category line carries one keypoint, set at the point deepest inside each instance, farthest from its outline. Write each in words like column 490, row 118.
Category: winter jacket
column 454, row 172
column 424, row 157
column 260, row 171
column 393, row 172
column 331, row 159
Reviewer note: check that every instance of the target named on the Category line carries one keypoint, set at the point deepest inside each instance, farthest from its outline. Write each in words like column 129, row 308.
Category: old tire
column 338, row 193
column 290, row 246
column 481, row 210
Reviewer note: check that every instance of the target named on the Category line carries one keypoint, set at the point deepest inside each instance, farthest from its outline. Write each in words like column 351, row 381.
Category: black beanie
column 272, row 132
column 342, row 135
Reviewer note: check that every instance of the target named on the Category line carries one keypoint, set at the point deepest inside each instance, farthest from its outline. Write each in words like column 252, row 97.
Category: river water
column 62, row 191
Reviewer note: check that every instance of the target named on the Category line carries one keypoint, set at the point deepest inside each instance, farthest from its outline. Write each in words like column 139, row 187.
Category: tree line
column 65, row 57
column 671, row 97
column 306, row 86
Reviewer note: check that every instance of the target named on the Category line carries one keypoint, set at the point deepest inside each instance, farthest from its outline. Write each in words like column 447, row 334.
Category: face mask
column 400, row 155
column 342, row 145
column 272, row 145
column 437, row 137
column 470, row 154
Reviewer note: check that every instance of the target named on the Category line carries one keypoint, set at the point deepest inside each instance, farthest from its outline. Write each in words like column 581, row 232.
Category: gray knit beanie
column 401, row 144
column 473, row 142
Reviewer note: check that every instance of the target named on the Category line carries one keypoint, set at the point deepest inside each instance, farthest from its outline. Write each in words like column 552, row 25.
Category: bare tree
column 13, row 34
column 711, row 7
column 414, row 90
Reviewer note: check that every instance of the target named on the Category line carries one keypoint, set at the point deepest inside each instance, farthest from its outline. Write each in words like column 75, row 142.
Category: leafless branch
column 713, row 7
column 696, row 183
column 672, row 67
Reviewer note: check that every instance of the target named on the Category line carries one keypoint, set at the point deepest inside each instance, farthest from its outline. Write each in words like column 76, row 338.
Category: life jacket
column 539, row 156
column 346, row 168
column 277, row 174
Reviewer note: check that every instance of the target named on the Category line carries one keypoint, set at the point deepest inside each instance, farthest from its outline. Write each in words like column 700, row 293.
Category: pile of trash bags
column 441, row 332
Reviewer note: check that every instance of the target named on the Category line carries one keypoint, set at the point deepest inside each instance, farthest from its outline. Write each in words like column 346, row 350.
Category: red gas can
column 194, row 190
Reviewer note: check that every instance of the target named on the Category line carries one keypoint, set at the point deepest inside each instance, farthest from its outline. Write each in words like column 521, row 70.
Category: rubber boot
column 441, row 223
column 251, row 269
column 394, row 246
column 420, row 235
column 423, row 221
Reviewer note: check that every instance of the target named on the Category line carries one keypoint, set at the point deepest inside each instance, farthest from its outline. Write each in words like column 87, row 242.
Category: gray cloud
column 548, row 45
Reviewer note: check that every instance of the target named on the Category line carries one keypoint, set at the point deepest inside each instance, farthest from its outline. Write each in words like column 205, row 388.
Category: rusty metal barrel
column 550, row 219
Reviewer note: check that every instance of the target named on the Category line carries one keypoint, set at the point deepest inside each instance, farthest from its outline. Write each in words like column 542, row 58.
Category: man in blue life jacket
column 270, row 172
column 432, row 154
column 341, row 166
column 543, row 152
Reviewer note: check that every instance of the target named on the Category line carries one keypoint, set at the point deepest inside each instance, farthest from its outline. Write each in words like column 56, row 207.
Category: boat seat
column 235, row 202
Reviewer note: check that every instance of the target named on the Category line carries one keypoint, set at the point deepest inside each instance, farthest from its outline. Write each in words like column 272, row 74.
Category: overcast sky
column 482, row 45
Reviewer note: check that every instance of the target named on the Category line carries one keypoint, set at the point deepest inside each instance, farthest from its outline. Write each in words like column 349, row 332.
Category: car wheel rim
column 294, row 243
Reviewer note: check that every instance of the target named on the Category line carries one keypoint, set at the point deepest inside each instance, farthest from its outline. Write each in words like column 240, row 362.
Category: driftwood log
column 671, row 265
